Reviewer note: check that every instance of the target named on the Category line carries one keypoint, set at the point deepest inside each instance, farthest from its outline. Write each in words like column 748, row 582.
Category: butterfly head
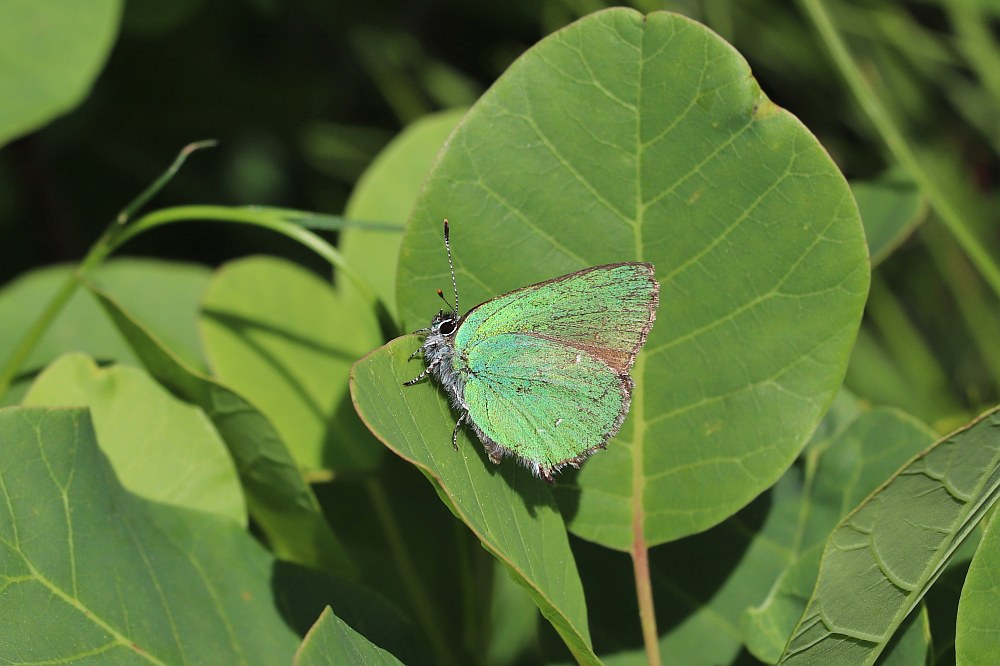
column 445, row 324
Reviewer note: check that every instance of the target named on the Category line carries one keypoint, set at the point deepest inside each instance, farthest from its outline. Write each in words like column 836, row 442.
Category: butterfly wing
column 605, row 311
column 547, row 403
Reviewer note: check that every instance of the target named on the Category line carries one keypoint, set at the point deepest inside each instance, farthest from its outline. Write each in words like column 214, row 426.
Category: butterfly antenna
column 451, row 266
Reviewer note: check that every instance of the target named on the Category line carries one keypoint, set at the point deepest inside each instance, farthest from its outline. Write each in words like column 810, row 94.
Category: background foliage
column 131, row 518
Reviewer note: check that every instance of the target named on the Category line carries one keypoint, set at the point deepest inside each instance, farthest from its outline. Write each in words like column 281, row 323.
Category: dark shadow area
column 411, row 549
column 942, row 610
column 686, row 575
column 348, row 445
column 301, row 594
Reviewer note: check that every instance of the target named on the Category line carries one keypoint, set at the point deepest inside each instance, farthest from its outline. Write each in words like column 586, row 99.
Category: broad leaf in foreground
column 511, row 512
column 626, row 137
column 161, row 448
column 88, row 570
column 882, row 558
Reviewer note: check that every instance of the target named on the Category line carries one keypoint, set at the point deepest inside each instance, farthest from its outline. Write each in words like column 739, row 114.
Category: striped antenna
column 451, row 266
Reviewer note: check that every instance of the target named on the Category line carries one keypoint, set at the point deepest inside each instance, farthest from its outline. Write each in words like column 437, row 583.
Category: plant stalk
column 644, row 593
column 640, row 551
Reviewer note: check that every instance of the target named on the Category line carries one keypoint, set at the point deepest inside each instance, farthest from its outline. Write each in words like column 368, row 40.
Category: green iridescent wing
column 605, row 311
column 547, row 403
column 546, row 366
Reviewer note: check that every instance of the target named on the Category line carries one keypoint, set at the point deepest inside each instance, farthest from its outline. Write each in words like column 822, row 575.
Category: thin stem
column 411, row 578
column 268, row 218
column 644, row 592
column 161, row 182
column 640, row 551
column 946, row 208
column 976, row 42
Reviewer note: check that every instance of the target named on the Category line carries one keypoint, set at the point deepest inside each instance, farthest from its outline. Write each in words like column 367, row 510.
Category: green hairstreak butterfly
column 541, row 373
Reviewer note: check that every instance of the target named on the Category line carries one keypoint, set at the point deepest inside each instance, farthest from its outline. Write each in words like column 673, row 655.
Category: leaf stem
column 644, row 592
column 640, row 551
column 873, row 107
column 276, row 219
column 411, row 578
column 158, row 184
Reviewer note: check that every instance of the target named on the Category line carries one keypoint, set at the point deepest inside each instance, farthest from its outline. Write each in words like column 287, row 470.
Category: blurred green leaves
column 286, row 340
column 51, row 54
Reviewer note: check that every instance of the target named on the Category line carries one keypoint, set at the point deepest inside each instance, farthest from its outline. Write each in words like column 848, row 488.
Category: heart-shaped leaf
column 286, row 340
column 628, row 137
column 90, row 571
column 511, row 512
column 161, row 448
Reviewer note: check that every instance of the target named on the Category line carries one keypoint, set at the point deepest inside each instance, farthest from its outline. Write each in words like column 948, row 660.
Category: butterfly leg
column 423, row 374
column 458, row 425
column 416, row 379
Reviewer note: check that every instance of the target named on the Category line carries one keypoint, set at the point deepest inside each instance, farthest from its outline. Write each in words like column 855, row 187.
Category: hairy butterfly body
column 541, row 373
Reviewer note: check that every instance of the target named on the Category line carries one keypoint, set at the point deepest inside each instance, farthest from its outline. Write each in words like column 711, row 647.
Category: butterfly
column 541, row 373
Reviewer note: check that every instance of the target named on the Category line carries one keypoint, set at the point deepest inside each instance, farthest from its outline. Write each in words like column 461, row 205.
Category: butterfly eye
column 447, row 327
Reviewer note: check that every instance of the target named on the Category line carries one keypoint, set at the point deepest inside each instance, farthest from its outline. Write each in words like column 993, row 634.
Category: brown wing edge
column 621, row 365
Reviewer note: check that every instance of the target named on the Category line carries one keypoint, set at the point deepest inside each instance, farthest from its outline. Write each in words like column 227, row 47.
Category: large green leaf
column 881, row 559
column 624, row 137
column 161, row 448
column 385, row 193
column 279, row 499
column 286, row 340
column 50, row 54
column 512, row 513
column 89, row 571
column 977, row 634
column 333, row 641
